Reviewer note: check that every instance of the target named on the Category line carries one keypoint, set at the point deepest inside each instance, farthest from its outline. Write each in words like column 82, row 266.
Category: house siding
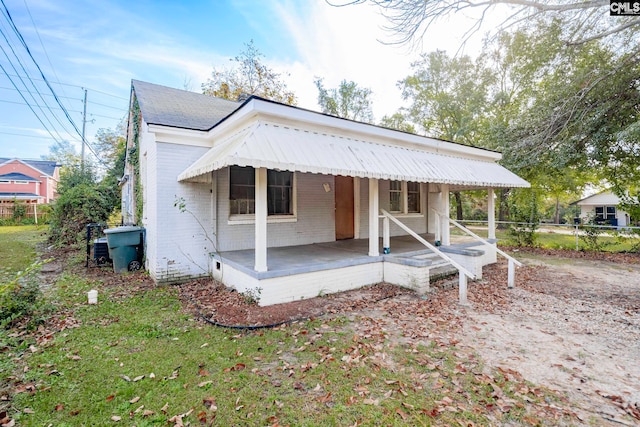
column 44, row 188
column 182, row 240
column 315, row 216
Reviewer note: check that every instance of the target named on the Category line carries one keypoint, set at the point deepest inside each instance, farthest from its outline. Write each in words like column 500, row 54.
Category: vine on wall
column 134, row 158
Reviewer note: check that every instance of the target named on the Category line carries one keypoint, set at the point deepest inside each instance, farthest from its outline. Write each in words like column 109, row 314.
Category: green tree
column 449, row 100
column 398, row 121
column 348, row 101
column 84, row 197
column 448, row 96
column 248, row 76
column 64, row 153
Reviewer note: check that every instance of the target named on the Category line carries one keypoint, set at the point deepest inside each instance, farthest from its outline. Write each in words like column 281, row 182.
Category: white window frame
column 240, row 219
column 5, row 181
column 404, row 197
column 21, row 182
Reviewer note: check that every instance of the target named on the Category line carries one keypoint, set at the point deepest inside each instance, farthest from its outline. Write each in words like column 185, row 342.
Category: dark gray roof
column 48, row 167
column 161, row 105
column 16, row 176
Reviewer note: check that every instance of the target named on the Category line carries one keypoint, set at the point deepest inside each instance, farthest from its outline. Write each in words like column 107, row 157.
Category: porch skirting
column 315, row 270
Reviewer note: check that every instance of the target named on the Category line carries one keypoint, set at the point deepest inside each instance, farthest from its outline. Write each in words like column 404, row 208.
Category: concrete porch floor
column 289, row 260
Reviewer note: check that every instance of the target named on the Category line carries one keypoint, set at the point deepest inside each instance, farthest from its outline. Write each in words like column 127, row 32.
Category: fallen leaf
column 28, row 411
column 138, row 378
column 125, row 377
column 134, row 400
column 110, row 398
column 116, row 418
column 147, row 413
column 204, row 383
column 210, row 403
column 59, row 407
column 164, row 408
column 375, row 402
column 402, row 414
column 152, row 375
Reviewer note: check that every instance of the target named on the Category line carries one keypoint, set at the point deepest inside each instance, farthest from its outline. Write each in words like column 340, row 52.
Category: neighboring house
column 603, row 208
column 30, row 181
column 286, row 203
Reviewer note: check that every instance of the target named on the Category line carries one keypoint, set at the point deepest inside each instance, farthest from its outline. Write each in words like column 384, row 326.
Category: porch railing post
column 462, row 288
column 511, row 274
column 386, row 240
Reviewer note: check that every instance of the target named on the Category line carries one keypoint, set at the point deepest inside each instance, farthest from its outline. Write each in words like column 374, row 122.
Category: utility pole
column 84, row 125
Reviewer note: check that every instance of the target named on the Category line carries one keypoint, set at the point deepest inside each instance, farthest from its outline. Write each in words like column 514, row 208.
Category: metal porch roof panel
column 286, row 148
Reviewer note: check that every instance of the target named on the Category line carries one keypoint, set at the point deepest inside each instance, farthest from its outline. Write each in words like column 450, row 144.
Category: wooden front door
column 344, row 207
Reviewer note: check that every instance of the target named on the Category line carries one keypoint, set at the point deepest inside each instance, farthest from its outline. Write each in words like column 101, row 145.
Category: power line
column 24, row 135
column 46, row 54
column 84, row 87
column 66, row 113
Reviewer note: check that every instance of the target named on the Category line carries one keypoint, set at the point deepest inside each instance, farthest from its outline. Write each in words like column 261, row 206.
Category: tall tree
column 348, row 101
column 248, row 76
column 448, row 96
column 448, row 100
column 583, row 20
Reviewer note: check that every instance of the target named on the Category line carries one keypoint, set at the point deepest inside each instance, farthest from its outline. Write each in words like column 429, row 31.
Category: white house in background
column 603, row 207
column 291, row 203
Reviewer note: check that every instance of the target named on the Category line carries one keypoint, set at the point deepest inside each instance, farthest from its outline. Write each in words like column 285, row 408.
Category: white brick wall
column 308, row 285
column 178, row 243
column 315, row 216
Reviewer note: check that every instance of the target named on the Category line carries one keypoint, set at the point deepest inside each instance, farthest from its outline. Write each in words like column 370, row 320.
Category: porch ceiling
column 266, row 145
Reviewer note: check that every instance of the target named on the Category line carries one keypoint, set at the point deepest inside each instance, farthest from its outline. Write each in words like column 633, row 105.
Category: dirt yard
column 572, row 324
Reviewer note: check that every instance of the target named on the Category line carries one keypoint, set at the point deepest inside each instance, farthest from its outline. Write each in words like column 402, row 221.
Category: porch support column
column 261, row 220
column 444, row 202
column 491, row 213
column 374, row 222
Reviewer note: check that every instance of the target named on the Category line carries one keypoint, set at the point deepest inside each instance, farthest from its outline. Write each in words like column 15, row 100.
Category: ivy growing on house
column 134, row 158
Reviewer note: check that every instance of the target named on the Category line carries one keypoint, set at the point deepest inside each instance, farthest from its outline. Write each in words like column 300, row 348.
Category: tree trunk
column 557, row 217
column 456, row 194
column 503, row 209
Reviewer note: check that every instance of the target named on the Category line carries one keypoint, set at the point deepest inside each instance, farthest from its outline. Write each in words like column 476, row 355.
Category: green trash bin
column 125, row 247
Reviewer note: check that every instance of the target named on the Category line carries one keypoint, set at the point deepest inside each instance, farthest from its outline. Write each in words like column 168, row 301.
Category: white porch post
column 444, row 194
column 491, row 213
column 374, row 222
column 261, row 220
column 462, row 289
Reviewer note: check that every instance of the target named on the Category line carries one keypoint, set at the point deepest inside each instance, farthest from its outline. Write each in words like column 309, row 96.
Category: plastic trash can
column 125, row 247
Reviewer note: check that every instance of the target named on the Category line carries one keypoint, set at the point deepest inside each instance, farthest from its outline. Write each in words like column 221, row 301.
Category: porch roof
column 273, row 146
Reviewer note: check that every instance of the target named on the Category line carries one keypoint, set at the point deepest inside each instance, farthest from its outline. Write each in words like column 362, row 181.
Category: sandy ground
column 575, row 330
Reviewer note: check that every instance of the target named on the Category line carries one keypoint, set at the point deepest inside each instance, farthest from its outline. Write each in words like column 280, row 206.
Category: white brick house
column 603, row 208
column 256, row 193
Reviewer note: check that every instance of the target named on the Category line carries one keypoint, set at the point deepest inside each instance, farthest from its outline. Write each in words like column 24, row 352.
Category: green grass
column 18, row 247
column 320, row 372
column 293, row 375
column 552, row 240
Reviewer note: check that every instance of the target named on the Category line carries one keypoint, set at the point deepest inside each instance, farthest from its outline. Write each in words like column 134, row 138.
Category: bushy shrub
column 523, row 210
column 81, row 201
column 18, row 296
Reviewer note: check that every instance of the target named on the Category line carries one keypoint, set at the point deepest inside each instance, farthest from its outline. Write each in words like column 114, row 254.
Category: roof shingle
column 161, row 105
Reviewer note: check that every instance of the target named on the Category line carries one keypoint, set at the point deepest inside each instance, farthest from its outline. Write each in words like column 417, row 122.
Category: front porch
column 307, row 271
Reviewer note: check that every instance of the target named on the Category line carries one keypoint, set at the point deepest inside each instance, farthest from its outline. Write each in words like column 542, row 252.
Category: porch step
column 438, row 268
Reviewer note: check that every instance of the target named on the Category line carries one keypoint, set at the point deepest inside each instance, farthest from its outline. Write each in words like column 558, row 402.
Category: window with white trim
column 404, row 197
column 605, row 213
column 242, row 191
column 5, row 181
column 21, row 182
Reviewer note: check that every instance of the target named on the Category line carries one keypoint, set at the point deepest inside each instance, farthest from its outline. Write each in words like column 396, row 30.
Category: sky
column 101, row 45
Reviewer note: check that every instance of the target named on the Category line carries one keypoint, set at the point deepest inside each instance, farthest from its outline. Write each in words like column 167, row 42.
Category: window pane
column 241, row 190
column 611, row 209
column 279, row 192
column 394, row 201
column 413, row 197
